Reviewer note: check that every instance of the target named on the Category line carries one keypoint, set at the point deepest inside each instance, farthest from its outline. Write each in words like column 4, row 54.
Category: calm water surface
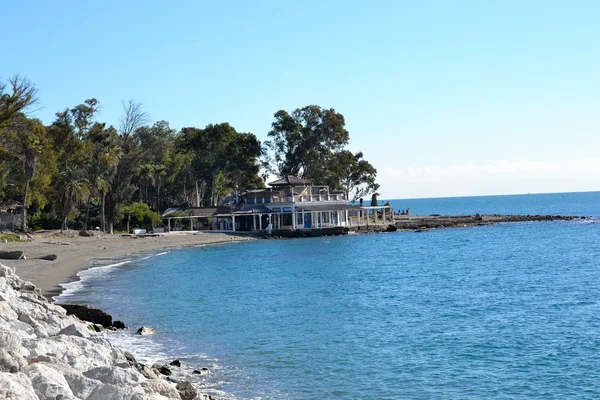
column 509, row 311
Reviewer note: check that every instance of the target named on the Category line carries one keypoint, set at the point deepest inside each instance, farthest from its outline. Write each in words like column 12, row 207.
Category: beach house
column 290, row 206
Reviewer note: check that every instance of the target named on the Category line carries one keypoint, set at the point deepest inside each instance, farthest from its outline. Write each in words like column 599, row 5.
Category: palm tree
column 73, row 186
column 97, row 184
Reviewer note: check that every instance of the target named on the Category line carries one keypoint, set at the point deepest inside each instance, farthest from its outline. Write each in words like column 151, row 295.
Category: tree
column 141, row 215
column 23, row 142
column 73, row 187
column 121, row 189
column 351, row 173
column 223, row 158
column 303, row 141
column 22, row 95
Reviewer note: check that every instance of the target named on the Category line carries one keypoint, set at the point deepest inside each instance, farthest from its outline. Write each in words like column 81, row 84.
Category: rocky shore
column 46, row 354
column 440, row 221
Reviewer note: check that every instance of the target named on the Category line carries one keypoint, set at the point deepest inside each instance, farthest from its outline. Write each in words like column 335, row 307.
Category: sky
column 443, row 98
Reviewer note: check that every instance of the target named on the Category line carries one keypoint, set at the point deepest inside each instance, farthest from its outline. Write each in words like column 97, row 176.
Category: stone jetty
column 422, row 223
column 46, row 354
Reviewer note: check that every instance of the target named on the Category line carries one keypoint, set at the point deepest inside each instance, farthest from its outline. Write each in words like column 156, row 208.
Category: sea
column 505, row 311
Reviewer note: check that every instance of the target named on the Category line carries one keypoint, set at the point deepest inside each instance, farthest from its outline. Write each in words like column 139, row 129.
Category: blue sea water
column 507, row 311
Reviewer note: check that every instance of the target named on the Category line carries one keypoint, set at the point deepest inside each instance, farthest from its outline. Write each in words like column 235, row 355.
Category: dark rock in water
column 12, row 255
column 162, row 369
column 201, row 371
column 90, row 314
column 13, row 369
column 391, row 228
column 49, row 257
column 119, row 325
column 130, row 358
column 186, row 391
column 175, row 363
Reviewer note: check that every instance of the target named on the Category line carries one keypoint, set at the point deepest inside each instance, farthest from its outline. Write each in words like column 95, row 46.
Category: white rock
column 6, row 312
column 9, row 360
column 113, row 392
column 16, row 387
column 47, row 382
column 115, row 375
column 146, row 330
column 12, row 342
column 160, row 387
column 76, row 330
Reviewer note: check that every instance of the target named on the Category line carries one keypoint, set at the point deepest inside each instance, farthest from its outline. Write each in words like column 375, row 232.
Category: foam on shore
column 45, row 354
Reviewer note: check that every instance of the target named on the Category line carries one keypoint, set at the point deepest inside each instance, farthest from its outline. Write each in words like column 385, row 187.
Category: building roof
column 188, row 211
column 252, row 208
column 290, row 180
column 327, row 207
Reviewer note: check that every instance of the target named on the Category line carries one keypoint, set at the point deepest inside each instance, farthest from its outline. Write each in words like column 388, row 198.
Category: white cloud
column 498, row 177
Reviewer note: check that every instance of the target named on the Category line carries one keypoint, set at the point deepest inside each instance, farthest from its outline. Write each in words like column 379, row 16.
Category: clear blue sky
column 444, row 98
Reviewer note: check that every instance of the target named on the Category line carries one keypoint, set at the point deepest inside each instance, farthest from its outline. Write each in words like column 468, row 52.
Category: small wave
column 588, row 220
column 99, row 267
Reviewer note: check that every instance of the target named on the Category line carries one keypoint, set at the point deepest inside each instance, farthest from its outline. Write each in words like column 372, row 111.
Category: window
column 299, row 219
column 286, row 219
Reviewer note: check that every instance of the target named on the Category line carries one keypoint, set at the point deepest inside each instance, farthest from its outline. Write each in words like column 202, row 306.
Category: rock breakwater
column 440, row 221
column 46, row 354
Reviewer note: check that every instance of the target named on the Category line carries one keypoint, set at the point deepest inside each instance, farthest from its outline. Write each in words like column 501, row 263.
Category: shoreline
column 75, row 253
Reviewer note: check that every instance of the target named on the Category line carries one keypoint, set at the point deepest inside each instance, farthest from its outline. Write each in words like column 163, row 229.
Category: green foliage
column 304, row 140
column 78, row 171
column 43, row 220
column 12, row 237
column 309, row 143
column 141, row 216
column 352, row 174
column 223, row 158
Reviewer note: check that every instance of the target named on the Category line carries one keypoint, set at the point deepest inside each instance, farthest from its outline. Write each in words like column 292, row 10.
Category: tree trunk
column 213, row 189
column 103, row 218
column 158, row 195
column 24, row 222
column 87, row 214
column 197, row 195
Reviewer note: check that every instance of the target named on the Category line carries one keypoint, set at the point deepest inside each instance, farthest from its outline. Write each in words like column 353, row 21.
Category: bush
column 142, row 216
column 43, row 220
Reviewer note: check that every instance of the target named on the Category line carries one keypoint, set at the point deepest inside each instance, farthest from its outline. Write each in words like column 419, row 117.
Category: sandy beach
column 74, row 252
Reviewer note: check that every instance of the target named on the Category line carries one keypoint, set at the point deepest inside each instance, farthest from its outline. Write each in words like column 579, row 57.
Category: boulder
column 76, row 330
column 16, row 386
column 162, row 369
column 175, row 363
column 160, row 387
column 47, row 382
column 119, row 325
column 201, row 371
column 115, row 375
column 90, row 314
column 146, row 330
column 114, row 392
column 186, row 391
